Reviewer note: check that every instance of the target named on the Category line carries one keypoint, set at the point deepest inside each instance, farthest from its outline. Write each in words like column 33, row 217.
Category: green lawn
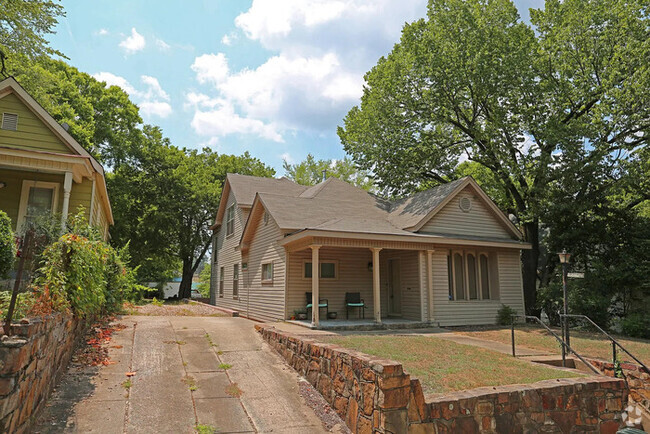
column 585, row 343
column 445, row 366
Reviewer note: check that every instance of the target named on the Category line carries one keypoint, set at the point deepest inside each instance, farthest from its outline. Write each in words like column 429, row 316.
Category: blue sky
column 274, row 77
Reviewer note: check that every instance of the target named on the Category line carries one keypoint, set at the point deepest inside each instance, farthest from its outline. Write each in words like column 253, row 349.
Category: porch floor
column 362, row 324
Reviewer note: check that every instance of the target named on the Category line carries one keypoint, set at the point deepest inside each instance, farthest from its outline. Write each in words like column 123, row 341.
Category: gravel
column 191, row 308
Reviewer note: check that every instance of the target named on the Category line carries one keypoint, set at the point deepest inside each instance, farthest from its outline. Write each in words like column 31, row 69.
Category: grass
column 205, row 429
column 127, row 384
column 191, row 382
column 444, row 366
column 585, row 343
column 234, row 390
column 224, row 366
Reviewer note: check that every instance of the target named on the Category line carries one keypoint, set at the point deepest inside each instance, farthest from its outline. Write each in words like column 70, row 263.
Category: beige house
column 42, row 168
column 445, row 256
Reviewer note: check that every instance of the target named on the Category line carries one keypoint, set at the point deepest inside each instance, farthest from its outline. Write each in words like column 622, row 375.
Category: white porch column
column 430, row 285
column 315, row 277
column 67, row 187
column 376, row 288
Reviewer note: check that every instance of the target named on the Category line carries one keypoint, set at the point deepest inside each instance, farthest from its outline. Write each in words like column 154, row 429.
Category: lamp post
column 564, row 260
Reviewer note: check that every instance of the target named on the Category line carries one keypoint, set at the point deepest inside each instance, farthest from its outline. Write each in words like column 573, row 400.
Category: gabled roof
column 11, row 86
column 336, row 206
column 244, row 187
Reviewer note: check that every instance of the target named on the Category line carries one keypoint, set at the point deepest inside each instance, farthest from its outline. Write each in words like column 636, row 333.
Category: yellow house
column 42, row 167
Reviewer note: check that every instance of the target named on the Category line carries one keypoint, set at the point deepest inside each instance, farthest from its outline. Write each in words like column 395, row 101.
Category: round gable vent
column 465, row 204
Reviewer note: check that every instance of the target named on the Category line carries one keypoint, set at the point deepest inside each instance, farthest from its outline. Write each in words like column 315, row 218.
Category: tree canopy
column 557, row 106
column 310, row 172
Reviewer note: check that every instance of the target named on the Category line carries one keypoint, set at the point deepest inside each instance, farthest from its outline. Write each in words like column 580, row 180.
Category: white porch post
column 376, row 288
column 315, row 275
column 67, row 186
column 430, row 285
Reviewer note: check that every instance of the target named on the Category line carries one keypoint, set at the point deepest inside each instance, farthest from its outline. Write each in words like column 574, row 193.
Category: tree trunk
column 185, row 289
column 529, row 262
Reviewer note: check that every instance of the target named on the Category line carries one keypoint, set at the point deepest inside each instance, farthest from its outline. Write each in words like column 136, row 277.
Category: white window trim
column 229, row 235
column 323, row 261
column 235, row 296
column 479, row 283
column 24, row 198
column 267, row 281
column 222, row 279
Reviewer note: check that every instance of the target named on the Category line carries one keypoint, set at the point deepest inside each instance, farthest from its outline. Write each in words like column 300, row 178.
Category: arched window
column 472, row 283
column 485, row 276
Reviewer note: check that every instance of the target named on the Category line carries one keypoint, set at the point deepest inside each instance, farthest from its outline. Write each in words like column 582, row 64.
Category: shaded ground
column 177, row 308
column 444, row 366
column 585, row 343
column 182, row 374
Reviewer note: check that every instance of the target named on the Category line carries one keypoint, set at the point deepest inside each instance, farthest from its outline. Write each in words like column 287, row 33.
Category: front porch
column 362, row 324
column 391, row 282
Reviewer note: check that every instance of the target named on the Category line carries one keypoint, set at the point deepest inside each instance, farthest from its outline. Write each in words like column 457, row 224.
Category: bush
column 7, row 246
column 505, row 314
column 82, row 273
column 636, row 325
column 24, row 304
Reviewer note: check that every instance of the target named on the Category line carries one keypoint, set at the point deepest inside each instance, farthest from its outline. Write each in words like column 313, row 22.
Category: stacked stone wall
column 375, row 395
column 32, row 360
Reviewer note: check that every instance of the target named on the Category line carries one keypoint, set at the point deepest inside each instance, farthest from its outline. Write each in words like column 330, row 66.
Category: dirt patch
column 175, row 309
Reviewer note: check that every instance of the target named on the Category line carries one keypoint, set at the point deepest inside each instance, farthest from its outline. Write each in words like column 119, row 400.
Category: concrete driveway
column 191, row 373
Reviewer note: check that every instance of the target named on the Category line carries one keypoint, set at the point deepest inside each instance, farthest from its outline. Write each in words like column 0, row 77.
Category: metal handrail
column 614, row 341
column 564, row 344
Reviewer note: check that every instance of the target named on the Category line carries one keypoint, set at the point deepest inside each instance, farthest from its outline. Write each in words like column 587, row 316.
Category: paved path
column 170, row 356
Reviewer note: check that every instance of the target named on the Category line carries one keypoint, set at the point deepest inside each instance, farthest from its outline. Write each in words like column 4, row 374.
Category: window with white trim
column 36, row 199
column 472, row 275
column 230, row 220
column 235, row 281
column 267, row 272
column 221, row 280
column 328, row 270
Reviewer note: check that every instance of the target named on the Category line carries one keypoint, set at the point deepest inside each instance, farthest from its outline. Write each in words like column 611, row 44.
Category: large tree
column 165, row 199
column 564, row 99
column 310, row 172
column 24, row 25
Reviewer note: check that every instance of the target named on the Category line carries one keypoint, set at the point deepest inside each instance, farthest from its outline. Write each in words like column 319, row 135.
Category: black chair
column 322, row 303
column 352, row 300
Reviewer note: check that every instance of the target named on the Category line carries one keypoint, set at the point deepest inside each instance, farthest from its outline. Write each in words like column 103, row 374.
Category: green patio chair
column 322, row 303
column 352, row 300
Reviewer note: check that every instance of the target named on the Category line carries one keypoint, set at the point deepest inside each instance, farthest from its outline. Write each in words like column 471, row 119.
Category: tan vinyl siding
column 466, row 312
column 353, row 276
column 479, row 221
column 228, row 254
column 266, row 299
column 10, row 195
column 409, row 279
column 32, row 134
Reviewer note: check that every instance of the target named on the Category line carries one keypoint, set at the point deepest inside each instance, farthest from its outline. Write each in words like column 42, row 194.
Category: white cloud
column 287, row 157
column 228, row 39
column 210, row 68
column 102, row 32
column 134, row 43
column 223, row 121
column 322, row 50
column 162, row 45
column 152, row 100
column 155, row 108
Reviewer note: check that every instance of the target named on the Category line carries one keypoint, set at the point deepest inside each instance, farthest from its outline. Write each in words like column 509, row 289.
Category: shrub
column 636, row 325
column 24, row 304
column 7, row 246
column 82, row 273
column 504, row 315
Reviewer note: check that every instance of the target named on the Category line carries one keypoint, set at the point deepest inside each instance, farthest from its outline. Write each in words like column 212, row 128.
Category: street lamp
column 564, row 260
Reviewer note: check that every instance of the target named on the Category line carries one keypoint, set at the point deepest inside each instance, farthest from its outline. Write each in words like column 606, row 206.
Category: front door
column 394, row 288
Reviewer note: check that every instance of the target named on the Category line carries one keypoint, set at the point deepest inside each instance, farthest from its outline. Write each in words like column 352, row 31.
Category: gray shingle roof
column 409, row 211
column 244, row 187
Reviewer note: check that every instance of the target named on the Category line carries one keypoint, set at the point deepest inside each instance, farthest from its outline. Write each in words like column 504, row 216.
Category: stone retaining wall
column 637, row 378
column 375, row 395
column 31, row 362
